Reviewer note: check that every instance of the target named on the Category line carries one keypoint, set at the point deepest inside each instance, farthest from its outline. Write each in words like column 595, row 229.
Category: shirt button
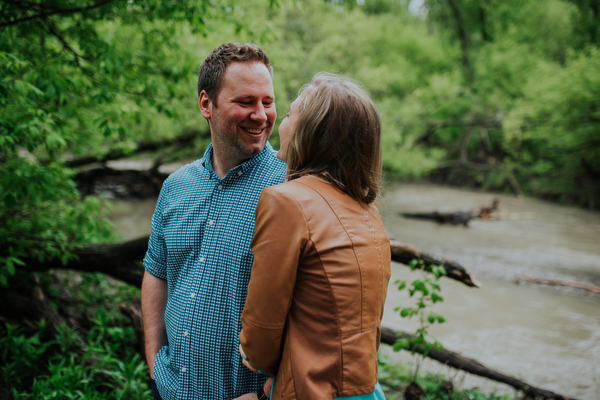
column 210, row 222
column 220, row 187
column 202, row 259
column 240, row 173
column 184, row 369
column 185, row 333
column 193, row 295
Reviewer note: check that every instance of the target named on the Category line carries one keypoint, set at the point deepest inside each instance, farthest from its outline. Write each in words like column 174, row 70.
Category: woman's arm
column 279, row 238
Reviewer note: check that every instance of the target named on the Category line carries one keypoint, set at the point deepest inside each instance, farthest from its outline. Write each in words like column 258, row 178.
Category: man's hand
column 253, row 396
column 267, row 387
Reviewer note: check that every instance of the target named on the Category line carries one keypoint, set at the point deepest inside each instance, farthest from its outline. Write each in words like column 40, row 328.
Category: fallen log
column 455, row 360
column 184, row 140
column 122, row 261
column 556, row 282
column 404, row 254
column 124, row 184
column 454, row 218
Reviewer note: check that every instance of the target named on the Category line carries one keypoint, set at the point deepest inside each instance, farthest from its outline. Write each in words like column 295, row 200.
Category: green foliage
column 394, row 378
column 42, row 216
column 57, row 364
column 427, row 289
column 553, row 134
column 83, row 78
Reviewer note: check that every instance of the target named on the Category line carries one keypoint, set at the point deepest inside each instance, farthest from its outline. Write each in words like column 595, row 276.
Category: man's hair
column 337, row 136
column 212, row 70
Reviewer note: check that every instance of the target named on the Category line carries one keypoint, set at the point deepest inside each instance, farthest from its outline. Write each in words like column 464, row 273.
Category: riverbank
column 547, row 336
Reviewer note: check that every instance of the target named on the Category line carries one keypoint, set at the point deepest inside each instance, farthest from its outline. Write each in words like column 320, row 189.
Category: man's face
column 243, row 121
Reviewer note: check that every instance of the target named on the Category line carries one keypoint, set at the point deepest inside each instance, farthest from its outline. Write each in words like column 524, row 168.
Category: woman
column 321, row 254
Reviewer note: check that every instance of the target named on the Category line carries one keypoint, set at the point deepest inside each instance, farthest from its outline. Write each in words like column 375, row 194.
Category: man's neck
column 222, row 165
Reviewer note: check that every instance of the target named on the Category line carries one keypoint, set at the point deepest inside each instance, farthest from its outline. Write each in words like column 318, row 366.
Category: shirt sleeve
column 280, row 236
column 155, row 260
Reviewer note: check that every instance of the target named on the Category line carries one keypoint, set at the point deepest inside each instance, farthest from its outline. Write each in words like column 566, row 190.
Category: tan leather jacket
column 317, row 291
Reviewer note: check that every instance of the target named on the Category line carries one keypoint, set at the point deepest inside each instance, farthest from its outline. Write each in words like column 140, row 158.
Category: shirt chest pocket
column 183, row 235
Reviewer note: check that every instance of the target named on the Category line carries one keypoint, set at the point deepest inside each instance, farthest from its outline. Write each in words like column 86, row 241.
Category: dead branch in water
column 406, row 253
column 556, row 282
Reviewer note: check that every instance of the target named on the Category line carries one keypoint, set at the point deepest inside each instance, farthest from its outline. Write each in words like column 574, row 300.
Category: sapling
column 427, row 289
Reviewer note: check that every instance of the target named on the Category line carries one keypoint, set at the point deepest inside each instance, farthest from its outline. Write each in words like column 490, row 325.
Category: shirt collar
column 244, row 167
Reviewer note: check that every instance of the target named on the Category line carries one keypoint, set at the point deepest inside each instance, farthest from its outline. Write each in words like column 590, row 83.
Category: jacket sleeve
column 280, row 236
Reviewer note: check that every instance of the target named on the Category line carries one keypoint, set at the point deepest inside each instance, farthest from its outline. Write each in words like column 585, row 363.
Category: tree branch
column 490, row 123
column 406, row 253
column 55, row 11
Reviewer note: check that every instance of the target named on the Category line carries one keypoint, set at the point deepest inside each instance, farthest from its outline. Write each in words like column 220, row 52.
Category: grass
column 394, row 378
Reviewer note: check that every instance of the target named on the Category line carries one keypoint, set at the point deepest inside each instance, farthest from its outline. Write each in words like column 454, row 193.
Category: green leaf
column 431, row 317
column 436, row 297
column 401, row 344
column 10, row 267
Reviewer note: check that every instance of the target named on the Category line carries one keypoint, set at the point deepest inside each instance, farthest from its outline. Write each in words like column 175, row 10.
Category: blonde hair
column 337, row 137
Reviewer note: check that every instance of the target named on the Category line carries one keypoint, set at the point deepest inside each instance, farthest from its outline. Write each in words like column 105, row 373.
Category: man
column 198, row 261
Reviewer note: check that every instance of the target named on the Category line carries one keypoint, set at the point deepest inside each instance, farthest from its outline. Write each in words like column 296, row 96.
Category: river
column 547, row 336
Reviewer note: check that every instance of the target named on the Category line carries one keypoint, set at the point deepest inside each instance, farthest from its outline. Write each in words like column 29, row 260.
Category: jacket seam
column 360, row 271
column 342, row 361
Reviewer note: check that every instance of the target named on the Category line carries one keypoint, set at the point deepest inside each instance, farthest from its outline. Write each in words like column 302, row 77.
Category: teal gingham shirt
column 200, row 243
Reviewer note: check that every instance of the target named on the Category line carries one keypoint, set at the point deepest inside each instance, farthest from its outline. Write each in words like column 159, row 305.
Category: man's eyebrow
column 252, row 97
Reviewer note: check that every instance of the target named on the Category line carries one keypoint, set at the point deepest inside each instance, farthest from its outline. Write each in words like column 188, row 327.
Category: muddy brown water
column 547, row 336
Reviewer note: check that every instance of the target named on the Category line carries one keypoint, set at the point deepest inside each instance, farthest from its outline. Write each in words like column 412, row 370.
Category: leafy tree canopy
column 82, row 78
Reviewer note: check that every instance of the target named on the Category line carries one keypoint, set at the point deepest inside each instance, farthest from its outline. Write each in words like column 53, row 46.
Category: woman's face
column 286, row 129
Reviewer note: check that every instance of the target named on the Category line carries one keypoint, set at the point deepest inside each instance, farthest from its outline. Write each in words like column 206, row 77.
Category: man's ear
column 205, row 104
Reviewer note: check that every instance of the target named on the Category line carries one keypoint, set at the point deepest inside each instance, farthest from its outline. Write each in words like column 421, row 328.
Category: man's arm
column 154, row 302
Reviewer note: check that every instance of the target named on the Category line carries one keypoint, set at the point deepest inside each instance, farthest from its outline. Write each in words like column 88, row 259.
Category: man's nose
column 259, row 113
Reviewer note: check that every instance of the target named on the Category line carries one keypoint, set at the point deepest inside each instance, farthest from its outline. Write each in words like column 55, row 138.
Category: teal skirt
column 376, row 395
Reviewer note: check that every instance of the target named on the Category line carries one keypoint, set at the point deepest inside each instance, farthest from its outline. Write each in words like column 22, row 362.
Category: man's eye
column 268, row 104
